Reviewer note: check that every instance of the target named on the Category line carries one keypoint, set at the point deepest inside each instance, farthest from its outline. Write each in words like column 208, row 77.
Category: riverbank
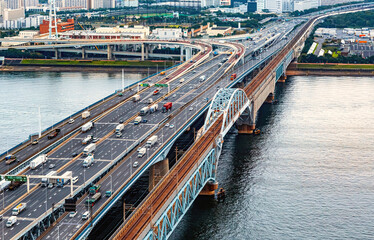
column 52, row 65
column 330, row 69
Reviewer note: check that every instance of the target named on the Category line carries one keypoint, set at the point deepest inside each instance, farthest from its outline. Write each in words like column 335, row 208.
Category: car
column 35, row 141
column 72, row 214
column 167, row 78
column 1, row 217
column 191, row 108
column 95, row 139
column 167, row 125
column 171, row 126
column 51, row 166
column 191, row 61
column 194, row 71
column 50, row 185
column 166, row 98
column 71, row 120
column 74, row 154
column 121, row 121
column 144, row 120
column 175, row 95
column 85, row 215
column 75, row 179
column 135, row 164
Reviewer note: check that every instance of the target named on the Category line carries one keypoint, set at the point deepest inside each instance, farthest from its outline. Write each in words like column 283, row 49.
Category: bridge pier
column 246, row 128
column 182, row 53
column 142, row 46
column 282, row 78
column 270, row 98
column 188, row 53
column 83, row 53
column 156, row 172
column 110, row 52
column 57, row 54
column 209, row 189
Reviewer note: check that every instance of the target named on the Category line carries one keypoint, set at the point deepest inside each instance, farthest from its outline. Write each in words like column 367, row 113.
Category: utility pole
column 40, row 124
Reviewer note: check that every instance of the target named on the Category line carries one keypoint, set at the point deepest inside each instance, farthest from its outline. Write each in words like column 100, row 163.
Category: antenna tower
column 52, row 19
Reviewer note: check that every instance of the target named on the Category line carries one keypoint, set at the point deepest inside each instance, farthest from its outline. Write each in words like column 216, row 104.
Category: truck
column 86, row 127
column 88, row 161
column 181, row 80
column 137, row 120
column 233, row 76
column 92, row 200
column 85, row 114
column 120, row 128
column 151, row 141
column 14, row 184
column 94, row 189
column 167, row 106
column 136, row 98
column 141, row 152
column 87, row 139
column 45, row 181
column 38, row 160
column 19, row 208
column 153, row 108
column 65, row 178
column 150, row 100
column 202, row 78
column 89, row 149
column 54, row 133
column 144, row 111
column 4, row 184
column 11, row 221
column 9, row 159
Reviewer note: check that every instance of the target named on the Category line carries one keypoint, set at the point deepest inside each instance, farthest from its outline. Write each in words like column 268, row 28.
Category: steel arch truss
column 230, row 102
column 178, row 207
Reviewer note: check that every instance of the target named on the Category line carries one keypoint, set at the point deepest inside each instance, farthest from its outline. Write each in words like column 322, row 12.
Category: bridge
column 202, row 87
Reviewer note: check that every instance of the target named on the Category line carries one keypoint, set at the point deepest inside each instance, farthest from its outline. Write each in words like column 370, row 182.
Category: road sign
column 144, row 84
column 16, row 178
column 161, row 85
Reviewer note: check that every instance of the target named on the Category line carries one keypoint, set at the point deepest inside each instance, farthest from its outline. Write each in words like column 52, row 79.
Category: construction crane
column 85, row 30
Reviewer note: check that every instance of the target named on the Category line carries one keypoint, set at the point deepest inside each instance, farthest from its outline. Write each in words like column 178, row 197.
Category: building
column 136, row 32
column 214, row 31
column 167, row 33
column 334, row 2
column 61, row 26
column 127, row 3
column 251, row 6
column 13, row 14
column 31, row 3
column 225, row 3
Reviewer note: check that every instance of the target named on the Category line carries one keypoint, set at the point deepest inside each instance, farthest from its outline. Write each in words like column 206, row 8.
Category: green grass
column 334, row 66
column 95, row 63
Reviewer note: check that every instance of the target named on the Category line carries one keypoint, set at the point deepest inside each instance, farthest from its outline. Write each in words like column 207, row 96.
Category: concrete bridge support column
column 110, row 52
column 142, row 46
column 270, row 98
column 156, row 172
column 209, row 189
column 147, row 50
column 57, row 54
column 182, row 53
column 188, row 53
column 282, row 78
column 246, row 128
column 83, row 53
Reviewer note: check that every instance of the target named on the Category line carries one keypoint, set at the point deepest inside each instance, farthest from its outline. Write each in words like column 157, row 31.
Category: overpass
column 161, row 211
column 45, row 216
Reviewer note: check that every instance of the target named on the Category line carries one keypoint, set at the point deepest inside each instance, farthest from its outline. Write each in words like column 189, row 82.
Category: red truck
column 233, row 76
column 54, row 133
column 167, row 106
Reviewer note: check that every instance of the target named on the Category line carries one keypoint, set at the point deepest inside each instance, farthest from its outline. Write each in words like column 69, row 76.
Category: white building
column 167, row 33
column 13, row 14
column 127, row 3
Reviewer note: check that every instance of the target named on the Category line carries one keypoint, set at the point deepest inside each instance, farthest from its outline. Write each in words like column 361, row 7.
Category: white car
column 167, row 125
column 75, row 179
column 72, row 214
column 171, row 126
column 136, row 164
column 71, row 120
column 191, row 108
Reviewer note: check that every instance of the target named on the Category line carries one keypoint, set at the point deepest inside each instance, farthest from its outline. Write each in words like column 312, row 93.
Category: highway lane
column 76, row 166
column 177, row 121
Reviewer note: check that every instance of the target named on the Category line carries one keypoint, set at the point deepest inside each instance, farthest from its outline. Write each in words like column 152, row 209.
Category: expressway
column 109, row 147
column 26, row 150
column 121, row 175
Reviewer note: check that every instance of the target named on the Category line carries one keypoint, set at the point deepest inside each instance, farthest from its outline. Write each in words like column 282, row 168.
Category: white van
column 85, row 215
column 202, row 78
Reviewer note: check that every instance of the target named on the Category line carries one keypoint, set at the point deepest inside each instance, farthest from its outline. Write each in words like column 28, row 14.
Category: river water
column 58, row 94
column 309, row 175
